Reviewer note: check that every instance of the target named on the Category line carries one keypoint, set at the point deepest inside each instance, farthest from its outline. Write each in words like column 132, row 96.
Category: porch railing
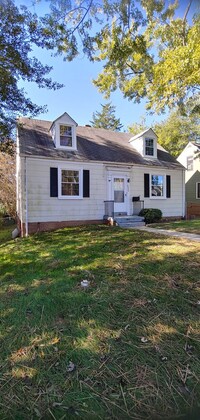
column 109, row 208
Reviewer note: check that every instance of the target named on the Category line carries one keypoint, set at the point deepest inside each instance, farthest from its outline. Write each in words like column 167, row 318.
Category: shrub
column 151, row 215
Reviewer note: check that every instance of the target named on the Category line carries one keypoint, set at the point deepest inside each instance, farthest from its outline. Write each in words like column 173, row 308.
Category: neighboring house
column 190, row 159
column 67, row 174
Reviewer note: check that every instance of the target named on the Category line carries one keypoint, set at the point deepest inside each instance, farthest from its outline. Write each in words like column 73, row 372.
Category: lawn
column 128, row 347
column 191, row 226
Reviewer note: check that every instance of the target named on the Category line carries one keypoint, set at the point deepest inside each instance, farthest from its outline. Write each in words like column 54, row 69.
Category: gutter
column 26, row 188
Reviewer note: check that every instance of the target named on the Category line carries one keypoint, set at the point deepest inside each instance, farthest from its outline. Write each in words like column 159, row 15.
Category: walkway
column 184, row 235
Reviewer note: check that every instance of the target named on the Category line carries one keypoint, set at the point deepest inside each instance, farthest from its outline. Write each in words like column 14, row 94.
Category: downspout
column 183, row 194
column 26, row 187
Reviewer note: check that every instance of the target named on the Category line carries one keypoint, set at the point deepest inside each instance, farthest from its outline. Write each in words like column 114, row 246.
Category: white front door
column 119, row 193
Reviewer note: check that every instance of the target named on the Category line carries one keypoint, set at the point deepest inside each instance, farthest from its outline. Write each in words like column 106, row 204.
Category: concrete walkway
column 184, row 235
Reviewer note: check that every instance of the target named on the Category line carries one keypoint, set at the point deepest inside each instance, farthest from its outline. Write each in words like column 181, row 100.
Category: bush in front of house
column 151, row 215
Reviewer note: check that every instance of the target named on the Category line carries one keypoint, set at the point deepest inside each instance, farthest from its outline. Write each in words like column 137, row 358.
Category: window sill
column 158, row 198
column 70, row 197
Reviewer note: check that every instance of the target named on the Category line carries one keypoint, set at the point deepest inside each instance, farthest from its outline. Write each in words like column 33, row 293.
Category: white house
column 67, row 174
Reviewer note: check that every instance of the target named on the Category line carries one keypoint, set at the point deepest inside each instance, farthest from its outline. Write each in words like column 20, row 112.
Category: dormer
column 63, row 131
column 145, row 143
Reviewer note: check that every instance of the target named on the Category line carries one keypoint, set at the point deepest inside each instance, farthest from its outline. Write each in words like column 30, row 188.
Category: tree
column 176, row 131
column 106, row 118
column 8, row 183
column 146, row 50
column 137, row 128
column 152, row 55
column 19, row 30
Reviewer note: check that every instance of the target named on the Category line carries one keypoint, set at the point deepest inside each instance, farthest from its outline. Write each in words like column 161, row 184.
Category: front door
column 119, row 193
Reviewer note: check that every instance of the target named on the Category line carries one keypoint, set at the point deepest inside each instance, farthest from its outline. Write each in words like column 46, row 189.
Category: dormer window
column 149, row 147
column 63, row 131
column 65, row 136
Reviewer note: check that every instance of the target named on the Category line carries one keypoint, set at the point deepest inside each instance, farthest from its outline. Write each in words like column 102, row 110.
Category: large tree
column 106, row 118
column 146, row 50
column 151, row 53
column 19, row 31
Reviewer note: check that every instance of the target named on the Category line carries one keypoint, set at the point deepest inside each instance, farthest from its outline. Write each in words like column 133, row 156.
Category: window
column 157, row 186
column 198, row 190
column 149, row 147
column 70, row 183
column 190, row 163
column 119, row 190
column 65, row 135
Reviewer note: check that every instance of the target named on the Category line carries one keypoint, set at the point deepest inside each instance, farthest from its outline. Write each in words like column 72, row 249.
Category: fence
column 192, row 211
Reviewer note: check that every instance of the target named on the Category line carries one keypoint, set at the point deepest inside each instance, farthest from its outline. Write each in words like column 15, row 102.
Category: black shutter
column 86, row 183
column 53, row 182
column 146, row 185
column 168, row 186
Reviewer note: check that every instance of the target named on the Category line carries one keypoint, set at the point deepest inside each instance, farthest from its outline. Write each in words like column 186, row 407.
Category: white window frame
column 154, row 197
column 190, row 157
column 145, row 139
column 198, row 198
column 73, row 146
column 70, row 197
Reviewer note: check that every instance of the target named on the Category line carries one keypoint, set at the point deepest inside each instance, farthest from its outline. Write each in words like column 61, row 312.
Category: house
column 190, row 159
column 68, row 174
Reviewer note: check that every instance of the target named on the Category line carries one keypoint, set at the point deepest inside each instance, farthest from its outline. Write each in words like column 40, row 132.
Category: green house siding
column 190, row 188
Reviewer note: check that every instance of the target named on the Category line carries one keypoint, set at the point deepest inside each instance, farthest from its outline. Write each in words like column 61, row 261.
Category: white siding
column 43, row 208
column 170, row 207
column 189, row 150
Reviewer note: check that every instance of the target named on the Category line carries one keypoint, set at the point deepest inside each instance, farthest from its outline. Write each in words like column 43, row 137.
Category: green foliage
column 137, row 128
column 20, row 30
column 151, row 215
column 106, row 118
column 150, row 53
column 146, row 50
column 177, row 130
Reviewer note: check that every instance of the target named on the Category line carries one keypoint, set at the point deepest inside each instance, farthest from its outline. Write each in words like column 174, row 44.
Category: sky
column 79, row 97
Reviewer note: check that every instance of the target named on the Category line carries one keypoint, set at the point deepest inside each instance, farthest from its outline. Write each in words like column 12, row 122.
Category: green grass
column 191, row 226
column 141, row 286
column 6, row 233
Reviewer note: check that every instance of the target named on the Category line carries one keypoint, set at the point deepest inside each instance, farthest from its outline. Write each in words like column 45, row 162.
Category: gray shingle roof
column 92, row 145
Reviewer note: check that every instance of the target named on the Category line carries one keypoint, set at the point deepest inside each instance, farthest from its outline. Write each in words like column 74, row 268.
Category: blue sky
column 79, row 97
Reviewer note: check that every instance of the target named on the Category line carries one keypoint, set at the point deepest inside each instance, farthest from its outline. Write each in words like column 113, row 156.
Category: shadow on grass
column 132, row 336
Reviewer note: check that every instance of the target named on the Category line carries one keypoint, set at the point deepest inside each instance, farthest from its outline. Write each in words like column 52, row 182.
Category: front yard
column 190, row 226
column 126, row 347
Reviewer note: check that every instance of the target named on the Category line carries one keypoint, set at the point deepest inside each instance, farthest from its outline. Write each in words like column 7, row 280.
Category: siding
column 190, row 188
column 191, row 177
column 43, row 208
column 170, row 207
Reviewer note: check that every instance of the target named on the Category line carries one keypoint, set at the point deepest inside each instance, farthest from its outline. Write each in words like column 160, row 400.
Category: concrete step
column 129, row 221
column 132, row 225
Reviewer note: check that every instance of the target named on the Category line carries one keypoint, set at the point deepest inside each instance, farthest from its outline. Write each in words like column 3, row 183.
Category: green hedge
column 151, row 215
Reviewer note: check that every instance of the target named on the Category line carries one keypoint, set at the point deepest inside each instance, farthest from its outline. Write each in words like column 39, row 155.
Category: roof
column 64, row 114
column 93, row 144
column 142, row 133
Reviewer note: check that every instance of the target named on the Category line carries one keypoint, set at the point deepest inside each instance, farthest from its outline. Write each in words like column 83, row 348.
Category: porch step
column 129, row 221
